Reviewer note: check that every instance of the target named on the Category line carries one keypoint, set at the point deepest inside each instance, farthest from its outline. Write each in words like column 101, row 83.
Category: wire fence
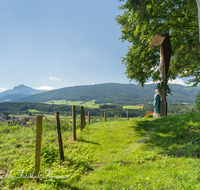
column 50, row 135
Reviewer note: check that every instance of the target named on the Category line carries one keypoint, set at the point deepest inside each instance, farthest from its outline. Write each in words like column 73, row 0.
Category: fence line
column 74, row 122
column 88, row 117
column 38, row 146
column 60, row 144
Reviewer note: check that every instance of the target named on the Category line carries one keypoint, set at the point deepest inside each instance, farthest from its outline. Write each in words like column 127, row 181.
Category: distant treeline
column 111, row 110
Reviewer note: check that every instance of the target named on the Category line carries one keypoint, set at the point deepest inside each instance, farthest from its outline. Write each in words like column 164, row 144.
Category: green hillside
column 18, row 92
column 114, row 93
column 154, row 153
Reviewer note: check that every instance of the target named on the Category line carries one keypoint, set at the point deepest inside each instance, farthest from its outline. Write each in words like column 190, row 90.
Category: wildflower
column 149, row 114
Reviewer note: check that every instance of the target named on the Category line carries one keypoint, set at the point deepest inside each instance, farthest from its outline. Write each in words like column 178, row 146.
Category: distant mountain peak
column 17, row 92
column 20, row 86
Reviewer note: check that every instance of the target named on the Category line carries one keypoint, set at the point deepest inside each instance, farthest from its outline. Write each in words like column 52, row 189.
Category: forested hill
column 114, row 93
column 17, row 92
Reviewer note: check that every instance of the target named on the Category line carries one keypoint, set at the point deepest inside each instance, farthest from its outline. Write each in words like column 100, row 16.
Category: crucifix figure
column 163, row 42
column 160, row 67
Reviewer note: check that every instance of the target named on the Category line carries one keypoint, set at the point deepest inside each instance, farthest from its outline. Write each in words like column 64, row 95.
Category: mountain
column 114, row 93
column 18, row 92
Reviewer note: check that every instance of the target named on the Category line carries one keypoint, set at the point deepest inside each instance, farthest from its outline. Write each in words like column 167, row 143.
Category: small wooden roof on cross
column 158, row 39
column 163, row 39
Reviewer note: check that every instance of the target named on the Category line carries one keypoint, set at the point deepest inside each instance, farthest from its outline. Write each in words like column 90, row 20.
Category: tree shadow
column 61, row 184
column 86, row 141
column 176, row 135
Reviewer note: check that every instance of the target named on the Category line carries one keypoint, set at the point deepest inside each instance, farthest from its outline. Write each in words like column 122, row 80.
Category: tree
column 198, row 5
column 141, row 20
column 26, row 119
column 7, row 117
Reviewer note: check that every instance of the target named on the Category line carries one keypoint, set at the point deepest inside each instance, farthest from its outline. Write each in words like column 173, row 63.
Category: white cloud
column 44, row 88
column 3, row 89
column 176, row 81
column 151, row 82
column 70, row 85
column 54, row 78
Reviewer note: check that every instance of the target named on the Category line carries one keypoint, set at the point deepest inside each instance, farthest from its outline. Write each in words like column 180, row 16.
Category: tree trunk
column 198, row 5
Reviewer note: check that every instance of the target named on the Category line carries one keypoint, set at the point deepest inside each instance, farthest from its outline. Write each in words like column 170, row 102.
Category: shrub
column 149, row 114
column 197, row 101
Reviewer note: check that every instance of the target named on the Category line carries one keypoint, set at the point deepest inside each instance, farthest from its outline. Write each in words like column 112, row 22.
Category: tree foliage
column 141, row 20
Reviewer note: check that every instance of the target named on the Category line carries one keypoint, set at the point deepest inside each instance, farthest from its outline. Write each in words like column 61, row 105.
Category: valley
column 89, row 104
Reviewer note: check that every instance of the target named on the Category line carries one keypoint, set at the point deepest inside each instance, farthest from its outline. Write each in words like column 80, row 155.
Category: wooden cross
column 163, row 42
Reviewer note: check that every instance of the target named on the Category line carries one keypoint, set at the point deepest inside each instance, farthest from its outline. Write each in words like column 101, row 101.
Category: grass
column 33, row 110
column 89, row 104
column 149, row 153
column 132, row 107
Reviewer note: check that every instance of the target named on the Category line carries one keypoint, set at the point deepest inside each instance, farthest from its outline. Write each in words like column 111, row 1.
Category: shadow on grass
column 85, row 141
column 176, row 135
column 61, row 184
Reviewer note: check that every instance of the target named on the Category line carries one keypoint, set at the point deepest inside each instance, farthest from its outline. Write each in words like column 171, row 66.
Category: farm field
column 89, row 104
column 132, row 107
column 148, row 153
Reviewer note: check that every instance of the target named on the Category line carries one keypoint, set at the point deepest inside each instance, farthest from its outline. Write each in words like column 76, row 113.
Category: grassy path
column 141, row 154
column 150, row 159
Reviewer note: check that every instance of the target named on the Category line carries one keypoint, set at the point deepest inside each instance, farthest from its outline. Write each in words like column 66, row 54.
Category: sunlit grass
column 89, row 104
column 132, row 107
column 148, row 153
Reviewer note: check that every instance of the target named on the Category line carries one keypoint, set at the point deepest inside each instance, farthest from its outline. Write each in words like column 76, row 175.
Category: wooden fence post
column 127, row 115
column 82, row 119
column 38, row 146
column 88, row 117
column 61, row 152
column 74, row 122
column 105, row 116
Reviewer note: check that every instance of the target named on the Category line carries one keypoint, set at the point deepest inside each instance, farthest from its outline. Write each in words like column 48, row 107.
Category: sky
column 49, row 44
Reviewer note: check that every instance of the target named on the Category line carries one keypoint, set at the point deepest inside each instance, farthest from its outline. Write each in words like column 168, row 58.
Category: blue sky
column 49, row 44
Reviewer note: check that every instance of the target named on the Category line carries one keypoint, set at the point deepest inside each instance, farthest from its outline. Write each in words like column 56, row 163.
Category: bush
column 197, row 101
column 149, row 114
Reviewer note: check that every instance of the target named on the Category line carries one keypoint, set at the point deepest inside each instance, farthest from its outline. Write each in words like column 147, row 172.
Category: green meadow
column 89, row 104
column 148, row 153
column 132, row 107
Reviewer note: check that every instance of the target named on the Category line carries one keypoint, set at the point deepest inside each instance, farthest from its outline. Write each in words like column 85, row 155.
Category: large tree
column 142, row 19
column 198, row 5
